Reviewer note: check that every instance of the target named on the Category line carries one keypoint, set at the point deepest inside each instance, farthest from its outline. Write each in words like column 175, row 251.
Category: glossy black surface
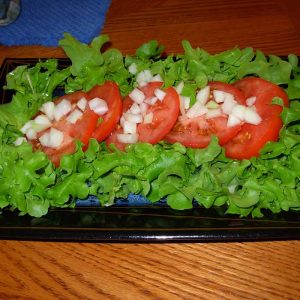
column 140, row 224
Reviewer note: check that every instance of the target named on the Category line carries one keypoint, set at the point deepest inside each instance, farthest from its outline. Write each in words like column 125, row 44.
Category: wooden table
column 253, row 270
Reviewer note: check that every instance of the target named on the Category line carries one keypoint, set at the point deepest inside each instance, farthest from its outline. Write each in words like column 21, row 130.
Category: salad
column 192, row 129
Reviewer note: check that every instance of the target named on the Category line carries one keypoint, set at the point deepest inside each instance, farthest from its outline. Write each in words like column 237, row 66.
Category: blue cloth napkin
column 43, row 22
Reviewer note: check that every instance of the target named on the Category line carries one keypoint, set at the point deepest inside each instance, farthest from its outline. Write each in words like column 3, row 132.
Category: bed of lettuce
column 31, row 185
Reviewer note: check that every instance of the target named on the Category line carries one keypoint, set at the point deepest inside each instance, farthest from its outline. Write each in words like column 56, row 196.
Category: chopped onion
column 48, row 109
column 132, row 68
column 233, row 121
column 212, row 104
column 185, row 101
column 239, row 111
column 198, row 109
column 219, row 96
column 179, row 87
column 99, row 106
column 228, row 104
column 127, row 138
column 74, row 116
column 135, row 109
column 19, row 141
column 251, row 116
column 156, row 78
column 148, row 118
column 137, row 96
column 129, row 127
column 250, row 101
column 213, row 113
column 52, row 138
column 151, row 101
column 160, row 94
column 133, row 118
column 203, row 95
column 144, row 77
column 40, row 123
column 82, row 104
column 31, row 134
column 122, row 121
column 26, row 126
column 144, row 108
column 62, row 109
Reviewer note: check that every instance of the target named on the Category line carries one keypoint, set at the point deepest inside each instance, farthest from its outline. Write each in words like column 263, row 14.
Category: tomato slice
column 197, row 132
column 165, row 114
column 109, row 92
column 250, row 140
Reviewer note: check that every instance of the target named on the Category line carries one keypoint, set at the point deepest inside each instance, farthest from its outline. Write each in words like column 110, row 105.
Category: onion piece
column 212, row 104
column 135, row 109
column 228, row 104
column 40, row 123
column 127, row 138
column 48, row 109
column 179, row 87
column 239, row 111
column 52, row 138
column 233, row 121
column 219, row 96
column 143, row 77
column 132, row 68
column 62, row 109
column 31, row 134
column 151, row 101
column 143, row 107
column 74, row 116
column 148, row 118
column 198, row 109
column 129, row 127
column 250, row 101
column 133, row 118
column 251, row 116
column 156, row 78
column 137, row 96
column 213, row 113
column 160, row 94
column 82, row 103
column 99, row 106
column 203, row 95
column 19, row 141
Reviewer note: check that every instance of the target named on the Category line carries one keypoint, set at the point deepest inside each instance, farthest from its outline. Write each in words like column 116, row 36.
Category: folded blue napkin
column 43, row 22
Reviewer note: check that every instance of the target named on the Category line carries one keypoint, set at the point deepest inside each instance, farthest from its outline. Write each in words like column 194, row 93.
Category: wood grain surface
column 254, row 270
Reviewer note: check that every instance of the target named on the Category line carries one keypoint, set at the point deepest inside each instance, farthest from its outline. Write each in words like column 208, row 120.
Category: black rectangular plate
column 139, row 223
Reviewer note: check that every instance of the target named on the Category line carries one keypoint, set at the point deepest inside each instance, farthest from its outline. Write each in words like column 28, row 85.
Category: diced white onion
column 233, row 121
column 151, row 101
column 82, row 104
column 99, row 106
column 52, row 138
column 137, row 96
column 122, row 120
column 31, row 134
column 203, row 95
column 185, row 101
column 133, row 118
column 148, row 118
column 144, row 77
column 239, row 111
column 129, row 127
column 250, row 101
column 48, row 109
column 198, row 109
column 40, row 123
column 144, row 108
column 26, row 126
column 160, row 94
column 127, row 138
column 19, row 141
column 212, row 104
column 132, row 68
column 213, row 113
column 251, row 116
column 74, row 116
column 228, row 103
column 219, row 96
column 135, row 109
column 156, row 78
column 62, row 109
column 179, row 87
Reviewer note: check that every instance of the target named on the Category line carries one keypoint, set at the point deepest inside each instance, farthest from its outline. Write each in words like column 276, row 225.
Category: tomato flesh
column 251, row 139
column 197, row 132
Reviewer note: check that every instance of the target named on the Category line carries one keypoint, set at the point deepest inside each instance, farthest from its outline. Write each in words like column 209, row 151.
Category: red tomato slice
column 109, row 92
column 197, row 132
column 250, row 140
column 165, row 114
